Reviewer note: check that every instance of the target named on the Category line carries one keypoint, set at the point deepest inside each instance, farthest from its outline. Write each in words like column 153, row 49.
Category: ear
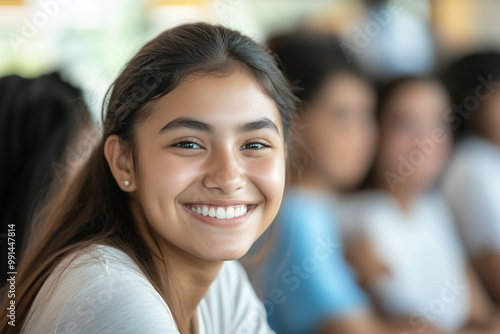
column 121, row 164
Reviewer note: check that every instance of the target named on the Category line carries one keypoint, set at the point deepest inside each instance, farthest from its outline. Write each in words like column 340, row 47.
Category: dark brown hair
column 94, row 210
column 463, row 79
column 39, row 118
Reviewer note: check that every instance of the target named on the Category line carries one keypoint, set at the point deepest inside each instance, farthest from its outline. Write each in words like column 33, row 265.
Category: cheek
column 161, row 179
column 324, row 141
column 398, row 143
column 441, row 155
column 371, row 145
column 268, row 176
column 358, row 142
column 392, row 146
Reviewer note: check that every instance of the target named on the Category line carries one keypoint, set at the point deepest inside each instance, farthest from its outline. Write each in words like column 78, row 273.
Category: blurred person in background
column 472, row 181
column 42, row 122
column 400, row 232
column 298, row 266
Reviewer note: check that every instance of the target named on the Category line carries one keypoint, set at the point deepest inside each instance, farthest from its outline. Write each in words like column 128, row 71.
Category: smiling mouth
column 220, row 212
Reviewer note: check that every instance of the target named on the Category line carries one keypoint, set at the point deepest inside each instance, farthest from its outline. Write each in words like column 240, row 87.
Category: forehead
column 216, row 99
column 419, row 98
column 342, row 79
column 344, row 86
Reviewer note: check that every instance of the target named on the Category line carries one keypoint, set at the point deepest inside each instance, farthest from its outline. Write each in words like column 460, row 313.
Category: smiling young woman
column 189, row 172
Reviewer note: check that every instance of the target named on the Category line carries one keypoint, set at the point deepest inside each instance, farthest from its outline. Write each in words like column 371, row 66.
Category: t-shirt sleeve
column 472, row 188
column 449, row 230
column 126, row 304
column 311, row 279
column 249, row 313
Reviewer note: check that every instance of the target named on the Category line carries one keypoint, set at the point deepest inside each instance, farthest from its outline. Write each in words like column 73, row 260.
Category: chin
column 224, row 252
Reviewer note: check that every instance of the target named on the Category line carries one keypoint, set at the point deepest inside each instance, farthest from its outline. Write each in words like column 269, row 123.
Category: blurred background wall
column 90, row 40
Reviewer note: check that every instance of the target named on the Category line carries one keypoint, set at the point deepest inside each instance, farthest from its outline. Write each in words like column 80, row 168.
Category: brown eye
column 253, row 146
column 187, row 145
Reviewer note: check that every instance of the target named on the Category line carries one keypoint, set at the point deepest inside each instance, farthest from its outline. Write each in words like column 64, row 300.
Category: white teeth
column 221, row 212
column 230, row 212
column 211, row 212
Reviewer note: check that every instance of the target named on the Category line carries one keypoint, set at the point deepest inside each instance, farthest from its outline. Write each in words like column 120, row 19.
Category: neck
column 403, row 196
column 404, row 200
column 185, row 276
column 190, row 276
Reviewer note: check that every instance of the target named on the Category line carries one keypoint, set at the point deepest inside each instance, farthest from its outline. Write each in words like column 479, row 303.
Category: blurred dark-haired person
column 472, row 180
column 298, row 267
column 400, row 231
column 43, row 123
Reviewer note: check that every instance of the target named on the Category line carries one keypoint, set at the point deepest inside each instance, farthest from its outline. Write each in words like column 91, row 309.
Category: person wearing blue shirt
column 307, row 279
column 297, row 266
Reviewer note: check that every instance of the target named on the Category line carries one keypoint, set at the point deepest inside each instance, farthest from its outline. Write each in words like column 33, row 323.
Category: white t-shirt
column 421, row 250
column 103, row 291
column 471, row 185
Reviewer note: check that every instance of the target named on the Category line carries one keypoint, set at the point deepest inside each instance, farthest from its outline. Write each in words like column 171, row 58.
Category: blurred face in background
column 414, row 140
column 339, row 131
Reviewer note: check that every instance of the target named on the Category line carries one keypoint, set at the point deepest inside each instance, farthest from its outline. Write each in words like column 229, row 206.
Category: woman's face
column 210, row 165
column 414, row 139
column 340, row 130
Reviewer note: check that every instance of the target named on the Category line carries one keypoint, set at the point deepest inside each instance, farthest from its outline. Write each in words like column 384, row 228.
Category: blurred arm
column 369, row 324
column 484, row 316
column 488, row 268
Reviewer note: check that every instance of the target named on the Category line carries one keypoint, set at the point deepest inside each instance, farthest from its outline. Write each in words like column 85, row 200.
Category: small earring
column 126, row 182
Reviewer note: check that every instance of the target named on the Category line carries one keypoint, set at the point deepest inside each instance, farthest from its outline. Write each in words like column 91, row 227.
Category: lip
column 228, row 222
column 220, row 202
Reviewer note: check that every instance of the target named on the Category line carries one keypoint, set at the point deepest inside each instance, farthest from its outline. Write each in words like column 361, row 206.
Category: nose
column 224, row 173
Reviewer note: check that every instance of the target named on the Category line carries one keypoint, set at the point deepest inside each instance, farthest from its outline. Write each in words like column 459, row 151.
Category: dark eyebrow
column 263, row 123
column 190, row 123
